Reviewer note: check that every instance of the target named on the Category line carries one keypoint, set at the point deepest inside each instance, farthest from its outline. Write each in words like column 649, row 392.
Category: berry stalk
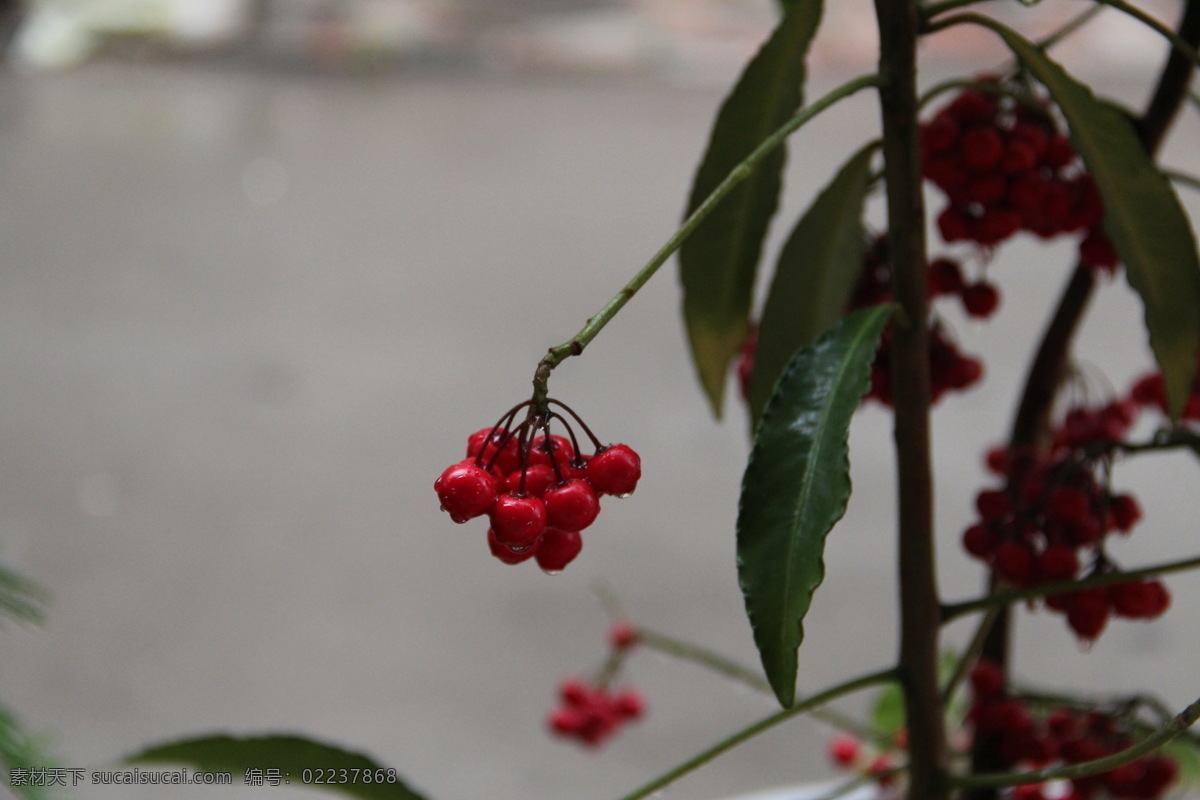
column 576, row 344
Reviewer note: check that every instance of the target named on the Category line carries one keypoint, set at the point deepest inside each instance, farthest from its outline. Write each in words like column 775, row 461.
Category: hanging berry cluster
column 1005, row 167
column 1050, row 520
column 537, row 489
column 1019, row 738
column 590, row 711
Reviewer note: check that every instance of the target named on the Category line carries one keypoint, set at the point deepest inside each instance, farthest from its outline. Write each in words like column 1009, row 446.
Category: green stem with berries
column 1174, row 727
column 1007, row 598
column 576, row 344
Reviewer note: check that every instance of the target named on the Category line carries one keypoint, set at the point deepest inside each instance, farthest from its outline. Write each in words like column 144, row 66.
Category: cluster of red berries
column 538, row 491
column 1056, row 508
column 949, row 369
column 848, row 752
column 1018, row 737
column 591, row 712
column 1005, row 167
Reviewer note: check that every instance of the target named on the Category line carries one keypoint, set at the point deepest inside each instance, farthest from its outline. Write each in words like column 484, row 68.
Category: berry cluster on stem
column 1026, row 736
column 1050, row 520
column 537, row 489
column 591, row 712
column 1004, row 165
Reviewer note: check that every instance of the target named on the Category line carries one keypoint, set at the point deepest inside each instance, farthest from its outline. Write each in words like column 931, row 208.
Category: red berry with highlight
column 572, row 506
column 614, row 470
column 507, row 554
column 558, row 548
column 466, row 491
column 844, row 749
column 518, row 521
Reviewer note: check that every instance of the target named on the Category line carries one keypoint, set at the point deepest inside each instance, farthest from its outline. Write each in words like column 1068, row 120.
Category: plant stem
column 953, row 611
column 1177, row 725
column 749, row 732
column 687, row 651
column 576, row 344
column 919, row 607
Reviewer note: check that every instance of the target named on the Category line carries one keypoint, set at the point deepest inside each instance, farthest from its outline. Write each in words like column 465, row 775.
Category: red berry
column 538, row 479
column 507, row 554
column 979, row 541
column 518, row 521
column 993, row 504
column 572, row 506
column 629, row 704
column 1013, row 562
column 1097, row 251
column 1087, row 612
column 622, row 635
column 982, row 147
column 614, row 470
column 843, row 749
column 940, row 134
column 987, row 680
column 945, row 277
column 558, row 548
column 466, row 491
column 1124, row 511
column 1150, row 390
column 972, row 106
column 1057, row 563
column 980, row 299
column 539, row 451
column 1140, row 599
column 509, row 457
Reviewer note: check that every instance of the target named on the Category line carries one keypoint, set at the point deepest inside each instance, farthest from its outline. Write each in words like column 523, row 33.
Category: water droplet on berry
column 518, row 548
column 552, row 571
column 623, row 496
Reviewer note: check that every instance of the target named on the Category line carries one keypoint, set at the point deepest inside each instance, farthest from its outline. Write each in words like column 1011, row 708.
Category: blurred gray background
column 262, row 273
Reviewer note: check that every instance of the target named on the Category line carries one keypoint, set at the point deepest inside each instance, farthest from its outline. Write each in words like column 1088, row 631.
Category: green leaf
column 1143, row 216
column 719, row 260
column 301, row 761
column 888, row 716
column 796, row 486
column 1186, row 753
column 21, row 598
column 814, row 277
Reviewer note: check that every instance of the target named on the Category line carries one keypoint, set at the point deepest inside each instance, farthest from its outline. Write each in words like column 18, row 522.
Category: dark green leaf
column 796, row 486
column 816, row 273
column 719, row 260
column 299, row 760
column 1143, row 217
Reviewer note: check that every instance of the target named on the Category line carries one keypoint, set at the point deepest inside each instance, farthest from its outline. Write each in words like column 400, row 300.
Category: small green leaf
column 1143, row 216
column 888, row 715
column 301, row 761
column 796, row 486
column 718, row 262
column 814, row 277
column 21, row 598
